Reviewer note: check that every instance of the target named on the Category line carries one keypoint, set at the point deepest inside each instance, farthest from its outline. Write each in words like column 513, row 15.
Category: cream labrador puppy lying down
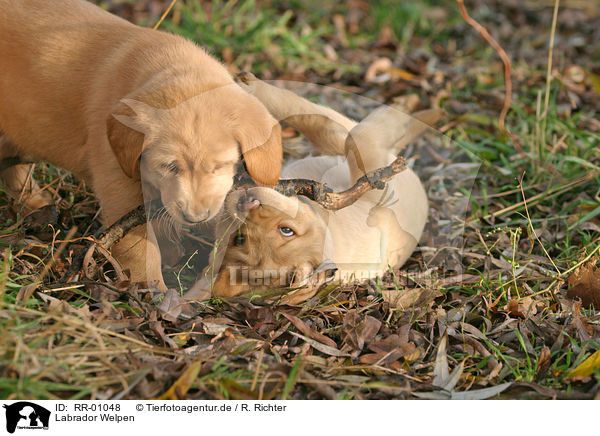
column 274, row 241
column 132, row 111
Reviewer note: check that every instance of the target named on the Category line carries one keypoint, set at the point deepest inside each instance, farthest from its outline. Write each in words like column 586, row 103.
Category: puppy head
column 278, row 243
column 187, row 148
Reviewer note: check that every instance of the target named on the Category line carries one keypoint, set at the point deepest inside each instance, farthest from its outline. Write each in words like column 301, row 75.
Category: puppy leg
column 138, row 250
column 367, row 144
column 384, row 131
column 18, row 182
column 325, row 128
column 396, row 243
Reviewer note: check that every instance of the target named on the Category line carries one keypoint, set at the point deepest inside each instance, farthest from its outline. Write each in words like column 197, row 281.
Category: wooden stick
column 323, row 194
column 110, row 237
column 164, row 15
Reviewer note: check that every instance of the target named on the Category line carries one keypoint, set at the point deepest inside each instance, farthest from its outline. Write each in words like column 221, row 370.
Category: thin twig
column 28, row 181
column 505, row 60
column 531, row 225
column 324, row 195
column 556, row 190
column 5, row 271
column 111, row 236
column 164, row 15
column 56, row 254
column 27, row 291
column 74, row 285
column 258, row 365
column 584, row 260
column 544, row 115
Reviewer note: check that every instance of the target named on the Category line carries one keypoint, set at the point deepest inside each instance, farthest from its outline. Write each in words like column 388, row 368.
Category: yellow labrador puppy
column 119, row 105
column 281, row 241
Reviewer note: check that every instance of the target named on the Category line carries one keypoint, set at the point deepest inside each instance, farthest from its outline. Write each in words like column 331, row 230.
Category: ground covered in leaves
column 499, row 301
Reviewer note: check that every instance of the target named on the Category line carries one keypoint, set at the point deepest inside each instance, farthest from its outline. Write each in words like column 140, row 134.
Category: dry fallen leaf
column 441, row 372
column 178, row 390
column 261, row 319
column 171, row 305
column 406, row 103
column 447, row 380
column 584, row 284
column 521, row 307
column 158, row 329
column 359, row 331
column 400, row 74
column 388, row 351
column 587, row 367
column 326, row 349
column 386, row 37
column 476, row 394
column 306, row 330
column 407, row 298
column 59, row 306
column 513, row 309
column 378, row 66
column 543, row 363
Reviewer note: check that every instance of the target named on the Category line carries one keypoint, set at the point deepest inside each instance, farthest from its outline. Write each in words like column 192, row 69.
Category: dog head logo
column 26, row 415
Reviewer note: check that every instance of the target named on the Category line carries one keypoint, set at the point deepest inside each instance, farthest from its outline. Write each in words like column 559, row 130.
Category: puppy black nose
column 247, row 203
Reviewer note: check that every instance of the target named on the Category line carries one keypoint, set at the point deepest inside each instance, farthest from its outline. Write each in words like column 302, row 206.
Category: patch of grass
column 559, row 172
column 410, row 19
column 86, row 345
column 255, row 38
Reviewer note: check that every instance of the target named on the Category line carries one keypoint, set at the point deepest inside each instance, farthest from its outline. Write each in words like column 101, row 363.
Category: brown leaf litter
column 584, row 284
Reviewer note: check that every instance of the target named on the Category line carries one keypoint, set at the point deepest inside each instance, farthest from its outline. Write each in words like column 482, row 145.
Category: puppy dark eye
column 171, row 167
column 286, row 231
column 239, row 240
column 222, row 165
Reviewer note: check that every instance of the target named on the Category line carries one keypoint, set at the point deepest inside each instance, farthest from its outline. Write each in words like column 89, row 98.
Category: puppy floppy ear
column 259, row 136
column 126, row 137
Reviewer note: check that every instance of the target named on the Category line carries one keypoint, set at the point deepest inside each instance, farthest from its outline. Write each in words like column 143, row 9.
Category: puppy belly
column 371, row 251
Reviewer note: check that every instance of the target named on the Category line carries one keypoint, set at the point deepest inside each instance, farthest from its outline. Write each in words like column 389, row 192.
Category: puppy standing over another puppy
column 281, row 241
column 92, row 93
